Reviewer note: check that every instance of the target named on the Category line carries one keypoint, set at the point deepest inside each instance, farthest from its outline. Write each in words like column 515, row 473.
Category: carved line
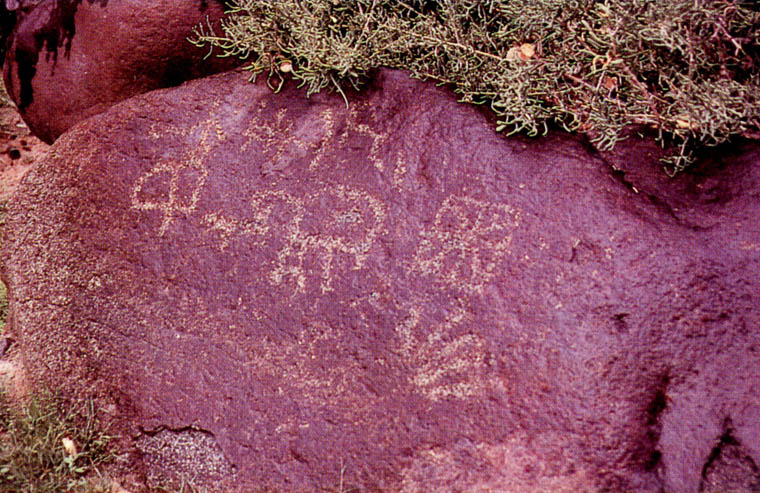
column 436, row 359
column 466, row 243
column 322, row 145
column 226, row 227
column 280, row 136
column 379, row 140
column 173, row 206
column 299, row 243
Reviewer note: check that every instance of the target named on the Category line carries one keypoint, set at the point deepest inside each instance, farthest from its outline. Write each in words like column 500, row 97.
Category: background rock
column 67, row 60
column 391, row 296
column 18, row 148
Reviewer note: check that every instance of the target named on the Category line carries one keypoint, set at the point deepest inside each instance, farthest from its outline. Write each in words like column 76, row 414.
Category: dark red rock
column 281, row 292
column 67, row 60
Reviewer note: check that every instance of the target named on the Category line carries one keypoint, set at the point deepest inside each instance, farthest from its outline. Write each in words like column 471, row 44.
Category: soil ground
column 18, row 149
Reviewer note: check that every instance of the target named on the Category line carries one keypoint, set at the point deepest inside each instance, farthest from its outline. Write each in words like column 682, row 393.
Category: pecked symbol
column 317, row 233
column 468, row 239
column 281, row 139
column 177, row 199
column 173, row 187
column 444, row 366
column 331, row 224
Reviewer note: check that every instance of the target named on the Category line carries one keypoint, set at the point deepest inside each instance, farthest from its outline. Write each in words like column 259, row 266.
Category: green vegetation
column 46, row 447
column 687, row 69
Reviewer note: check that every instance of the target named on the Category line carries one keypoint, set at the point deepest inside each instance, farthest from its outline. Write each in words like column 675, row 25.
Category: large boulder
column 66, row 60
column 270, row 291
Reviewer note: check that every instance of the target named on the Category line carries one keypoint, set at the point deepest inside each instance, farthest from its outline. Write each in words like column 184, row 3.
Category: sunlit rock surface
column 66, row 60
column 274, row 291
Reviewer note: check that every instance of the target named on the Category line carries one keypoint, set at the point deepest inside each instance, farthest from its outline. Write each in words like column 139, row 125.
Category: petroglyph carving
column 350, row 227
column 186, row 179
column 177, row 201
column 521, row 468
column 333, row 381
column 399, row 172
column 281, row 141
column 468, row 239
column 331, row 227
column 273, row 137
column 222, row 225
column 321, row 228
column 329, row 126
column 262, row 205
column 378, row 139
column 442, row 362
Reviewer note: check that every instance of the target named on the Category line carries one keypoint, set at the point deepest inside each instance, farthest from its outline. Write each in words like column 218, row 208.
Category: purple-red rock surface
column 270, row 291
column 66, row 60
